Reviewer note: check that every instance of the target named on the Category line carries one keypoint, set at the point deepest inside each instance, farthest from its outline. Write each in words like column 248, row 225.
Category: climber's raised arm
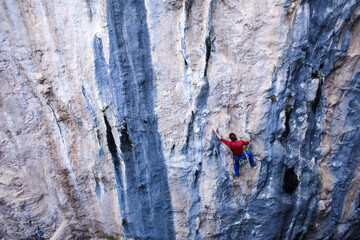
column 218, row 136
column 248, row 141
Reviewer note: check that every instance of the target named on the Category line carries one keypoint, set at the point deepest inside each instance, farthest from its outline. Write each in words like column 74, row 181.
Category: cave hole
column 290, row 180
column 124, row 222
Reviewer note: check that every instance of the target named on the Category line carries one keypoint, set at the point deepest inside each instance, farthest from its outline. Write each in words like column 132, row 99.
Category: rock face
column 107, row 109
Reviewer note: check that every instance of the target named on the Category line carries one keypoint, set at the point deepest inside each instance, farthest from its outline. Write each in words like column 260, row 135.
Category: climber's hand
column 218, row 136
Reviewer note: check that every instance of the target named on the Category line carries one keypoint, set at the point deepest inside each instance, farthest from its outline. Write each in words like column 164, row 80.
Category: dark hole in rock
column 110, row 138
column 124, row 222
column 288, row 111
column 97, row 179
column 126, row 144
column 317, row 74
column 272, row 139
column 317, row 96
column 208, row 52
column 290, row 181
column 196, row 177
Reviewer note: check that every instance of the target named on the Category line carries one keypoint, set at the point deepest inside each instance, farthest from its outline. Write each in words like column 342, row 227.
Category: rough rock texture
column 107, row 109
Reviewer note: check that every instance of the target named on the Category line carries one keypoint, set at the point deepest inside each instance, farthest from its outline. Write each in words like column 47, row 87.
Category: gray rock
column 107, row 110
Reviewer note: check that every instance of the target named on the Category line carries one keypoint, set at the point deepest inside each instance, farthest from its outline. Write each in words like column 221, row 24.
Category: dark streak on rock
column 126, row 144
column 188, row 6
column 110, row 138
column 147, row 199
column 318, row 95
column 207, row 53
column 288, row 111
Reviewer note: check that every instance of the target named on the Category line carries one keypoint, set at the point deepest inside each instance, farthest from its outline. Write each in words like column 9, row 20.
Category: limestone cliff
column 107, row 109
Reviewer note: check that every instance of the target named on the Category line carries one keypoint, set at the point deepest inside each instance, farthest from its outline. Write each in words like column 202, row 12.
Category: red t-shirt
column 237, row 147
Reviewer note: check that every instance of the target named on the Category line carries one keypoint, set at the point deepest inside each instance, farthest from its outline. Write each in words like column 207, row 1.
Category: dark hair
column 232, row 136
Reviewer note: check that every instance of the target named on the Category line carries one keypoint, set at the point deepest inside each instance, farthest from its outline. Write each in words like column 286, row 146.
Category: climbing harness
column 238, row 160
column 247, row 157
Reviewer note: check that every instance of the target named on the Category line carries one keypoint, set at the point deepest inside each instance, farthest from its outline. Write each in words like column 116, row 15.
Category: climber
column 237, row 150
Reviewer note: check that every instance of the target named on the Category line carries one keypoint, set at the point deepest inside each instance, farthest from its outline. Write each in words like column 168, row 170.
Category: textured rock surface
column 107, row 109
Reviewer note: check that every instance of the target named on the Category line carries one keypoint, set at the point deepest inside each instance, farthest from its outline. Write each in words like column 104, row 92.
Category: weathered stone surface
column 107, row 109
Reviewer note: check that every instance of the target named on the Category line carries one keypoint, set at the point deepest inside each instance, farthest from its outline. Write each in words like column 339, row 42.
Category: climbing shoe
column 234, row 176
column 253, row 166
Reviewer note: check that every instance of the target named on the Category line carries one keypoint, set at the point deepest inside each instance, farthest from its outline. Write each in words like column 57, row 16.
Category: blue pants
column 238, row 160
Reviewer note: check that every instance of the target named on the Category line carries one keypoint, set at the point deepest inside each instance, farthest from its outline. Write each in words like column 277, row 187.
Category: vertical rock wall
column 54, row 151
column 140, row 170
column 107, row 109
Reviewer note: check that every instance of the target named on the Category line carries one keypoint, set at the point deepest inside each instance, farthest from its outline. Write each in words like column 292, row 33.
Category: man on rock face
column 237, row 149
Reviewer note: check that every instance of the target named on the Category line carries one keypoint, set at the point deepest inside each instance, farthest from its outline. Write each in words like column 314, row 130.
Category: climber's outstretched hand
column 218, row 136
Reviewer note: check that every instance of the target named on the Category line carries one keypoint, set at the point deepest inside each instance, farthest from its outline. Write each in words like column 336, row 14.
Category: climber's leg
column 251, row 159
column 236, row 167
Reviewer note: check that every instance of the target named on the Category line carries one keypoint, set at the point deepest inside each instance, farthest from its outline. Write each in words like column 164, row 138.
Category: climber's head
column 232, row 136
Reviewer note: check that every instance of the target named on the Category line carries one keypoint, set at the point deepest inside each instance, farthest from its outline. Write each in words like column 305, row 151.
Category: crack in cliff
column 186, row 79
column 207, row 53
column 189, row 135
column 188, row 6
column 199, row 118
column 110, row 139
column 208, row 41
column 314, row 114
column 90, row 106
column 319, row 90
column 288, row 111
column 56, row 120
column 200, row 103
column 102, row 80
column 117, row 166
column 264, row 181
